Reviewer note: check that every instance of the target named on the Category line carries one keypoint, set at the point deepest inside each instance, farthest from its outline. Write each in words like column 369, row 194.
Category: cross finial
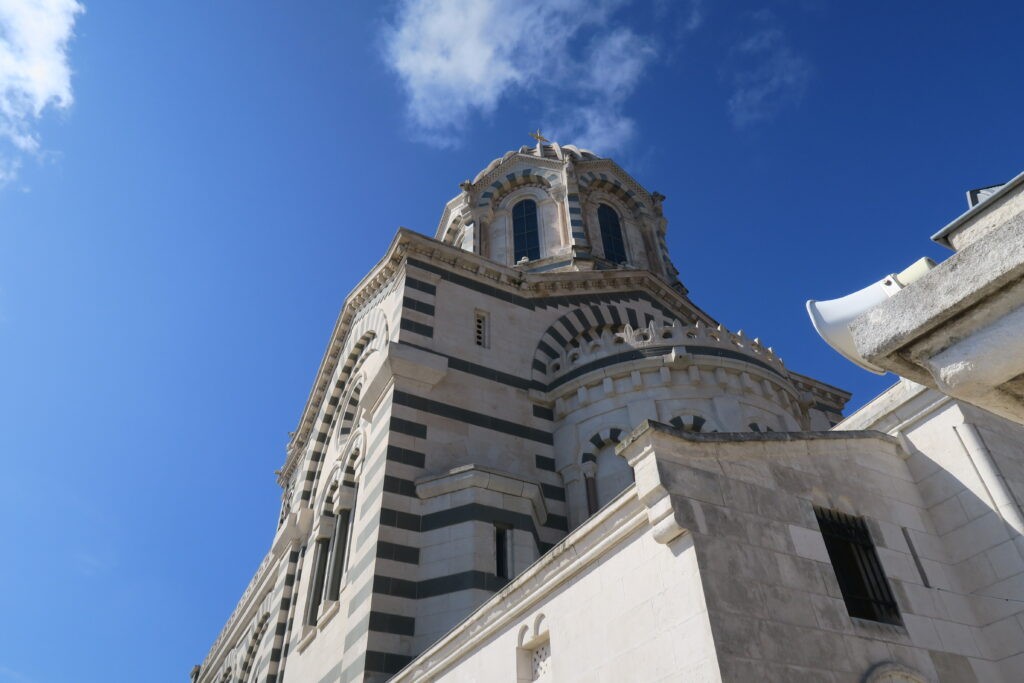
column 538, row 137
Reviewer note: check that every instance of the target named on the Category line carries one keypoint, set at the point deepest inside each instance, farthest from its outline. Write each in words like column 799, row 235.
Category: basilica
column 527, row 455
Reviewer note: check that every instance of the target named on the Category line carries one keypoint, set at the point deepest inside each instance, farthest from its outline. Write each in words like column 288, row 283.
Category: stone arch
column 503, row 185
column 367, row 336
column 499, row 231
column 259, row 630
column 596, row 180
column 691, row 423
column 605, row 474
column 629, row 224
column 586, row 323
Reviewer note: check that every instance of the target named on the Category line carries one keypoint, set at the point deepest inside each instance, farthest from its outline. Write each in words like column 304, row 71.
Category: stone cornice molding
column 475, row 476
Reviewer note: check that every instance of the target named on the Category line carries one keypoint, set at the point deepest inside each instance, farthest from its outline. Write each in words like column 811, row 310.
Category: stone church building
column 528, row 456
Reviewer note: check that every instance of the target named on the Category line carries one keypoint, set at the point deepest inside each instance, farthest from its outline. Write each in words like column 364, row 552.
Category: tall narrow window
column 502, row 551
column 524, row 231
column 339, row 543
column 861, row 579
column 316, row 586
column 611, row 234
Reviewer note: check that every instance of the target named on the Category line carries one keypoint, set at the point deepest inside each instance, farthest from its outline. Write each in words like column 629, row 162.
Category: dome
column 550, row 150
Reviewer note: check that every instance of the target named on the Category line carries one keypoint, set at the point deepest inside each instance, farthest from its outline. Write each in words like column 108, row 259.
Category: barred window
column 861, row 578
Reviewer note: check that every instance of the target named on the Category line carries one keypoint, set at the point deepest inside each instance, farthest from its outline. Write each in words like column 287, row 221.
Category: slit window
column 526, row 240
column 859, row 572
column 502, row 551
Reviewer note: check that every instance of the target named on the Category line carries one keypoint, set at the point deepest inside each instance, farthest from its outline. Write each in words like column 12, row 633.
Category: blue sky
column 189, row 189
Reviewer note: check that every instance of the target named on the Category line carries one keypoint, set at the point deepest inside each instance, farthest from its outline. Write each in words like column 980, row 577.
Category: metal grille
column 481, row 330
column 540, row 662
column 861, row 578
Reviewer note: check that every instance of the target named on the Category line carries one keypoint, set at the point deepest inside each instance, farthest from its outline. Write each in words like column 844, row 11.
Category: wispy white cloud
column 34, row 72
column 768, row 74
column 460, row 58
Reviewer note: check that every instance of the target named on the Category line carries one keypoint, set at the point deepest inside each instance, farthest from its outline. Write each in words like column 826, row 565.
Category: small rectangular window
column 502, row 551
column 480, row 329
column 859, row 572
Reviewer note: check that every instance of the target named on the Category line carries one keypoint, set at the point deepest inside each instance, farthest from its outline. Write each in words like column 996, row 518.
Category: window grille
column 859, row 572
column 480, row 329
column 540, row 661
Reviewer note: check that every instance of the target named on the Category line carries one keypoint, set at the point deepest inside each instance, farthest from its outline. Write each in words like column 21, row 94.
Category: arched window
column 611, row 234
column 524, row 230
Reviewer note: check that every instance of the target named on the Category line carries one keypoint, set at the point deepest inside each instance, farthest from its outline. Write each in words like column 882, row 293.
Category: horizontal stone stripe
column 402, row 487
column 419, row 306
column 543, row 462
column 553, row 492
column 385, row 662
column 420, row 285
column 395, row 587
column 406, row 456
column 400, row 520
column 470, row 512
column 384, row 622
column 418, row 328
column 441, row 585
column 398, row 552
column 471, row 417
column 543, row 412
column 408, row 427
column 456, row 363
column 559, row 522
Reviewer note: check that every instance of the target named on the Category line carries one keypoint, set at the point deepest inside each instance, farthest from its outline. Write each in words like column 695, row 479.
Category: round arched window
column 611, row 234
column 525, row 239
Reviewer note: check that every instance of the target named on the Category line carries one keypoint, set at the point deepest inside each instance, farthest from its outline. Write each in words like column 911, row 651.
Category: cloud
column 34, row 72
column 767, row 74
column 458, row 59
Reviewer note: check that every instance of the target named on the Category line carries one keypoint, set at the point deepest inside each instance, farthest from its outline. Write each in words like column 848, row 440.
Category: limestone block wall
column 775, row 606
column 967, row 464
